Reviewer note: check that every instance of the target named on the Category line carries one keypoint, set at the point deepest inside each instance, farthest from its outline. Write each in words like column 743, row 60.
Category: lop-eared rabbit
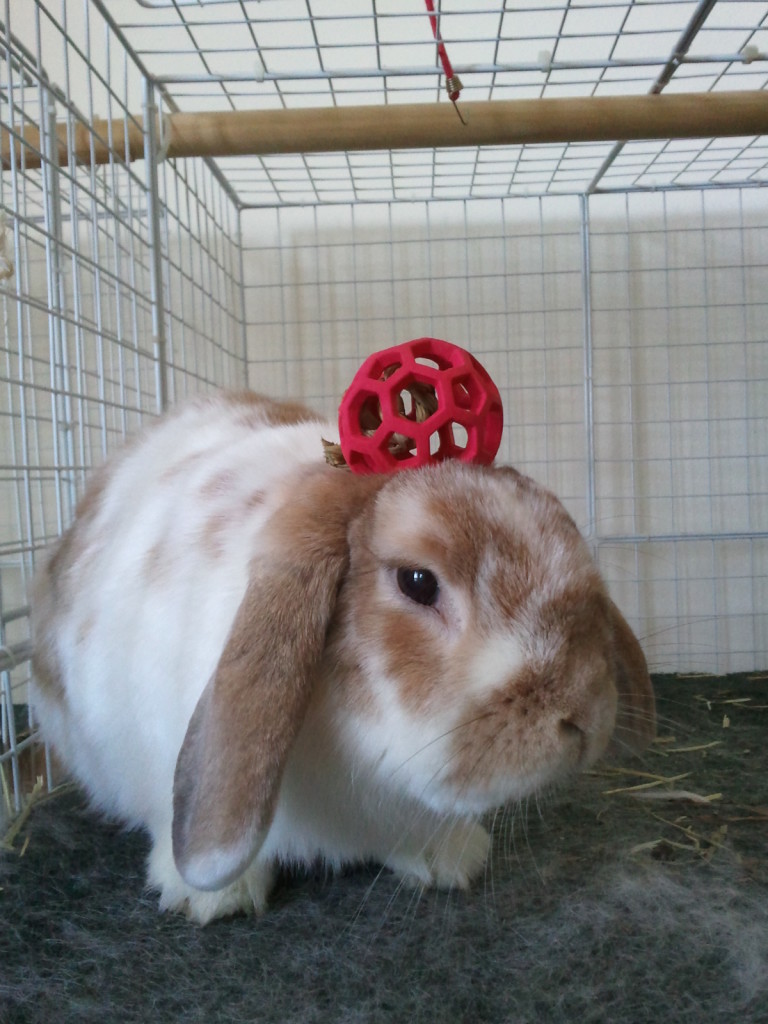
column 262, row 659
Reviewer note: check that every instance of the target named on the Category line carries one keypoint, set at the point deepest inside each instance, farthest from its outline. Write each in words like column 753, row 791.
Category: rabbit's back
column 133, row 605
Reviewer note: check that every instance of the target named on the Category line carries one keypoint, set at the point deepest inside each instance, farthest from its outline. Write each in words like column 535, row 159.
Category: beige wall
column 679, row 334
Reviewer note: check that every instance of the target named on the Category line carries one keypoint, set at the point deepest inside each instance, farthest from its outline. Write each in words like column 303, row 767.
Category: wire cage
column 615, row 285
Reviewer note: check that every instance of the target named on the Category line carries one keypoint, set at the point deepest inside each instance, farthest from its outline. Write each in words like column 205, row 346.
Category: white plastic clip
column 545, row 60
column 259, row 69
column 7, row 267
column 750, row 53
column 163, row 136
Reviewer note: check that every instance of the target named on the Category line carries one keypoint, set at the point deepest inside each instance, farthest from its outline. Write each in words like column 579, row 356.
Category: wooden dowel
column 90, row 144
column 494, row 123
column 428, row 125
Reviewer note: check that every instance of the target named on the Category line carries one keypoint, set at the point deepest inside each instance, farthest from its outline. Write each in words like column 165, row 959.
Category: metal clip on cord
column 452, row 81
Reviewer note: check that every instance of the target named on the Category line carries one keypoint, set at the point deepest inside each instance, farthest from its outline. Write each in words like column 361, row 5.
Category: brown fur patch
column 636, row 717
column 50, row 584
column 255, row 499
column 223, row 521
column 183, row 467
column 85, row 628
column 79, row 535
column 222, row 482
column 214, row 532
column 157, row 564
column 408, row 646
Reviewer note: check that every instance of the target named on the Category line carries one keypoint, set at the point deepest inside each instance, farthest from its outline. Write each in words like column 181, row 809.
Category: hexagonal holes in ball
column 387, row 372
column 450, row 440
column 417, row 401
column 401, row 447
column 370, row 416
column 460, row 436
column 426, row 361
column 466, row 393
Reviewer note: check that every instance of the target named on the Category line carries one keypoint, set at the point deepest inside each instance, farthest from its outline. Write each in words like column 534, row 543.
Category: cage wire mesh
column 617, row 292
column 104, row 266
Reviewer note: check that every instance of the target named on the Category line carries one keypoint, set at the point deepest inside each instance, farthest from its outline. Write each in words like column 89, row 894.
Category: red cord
column 453, row 82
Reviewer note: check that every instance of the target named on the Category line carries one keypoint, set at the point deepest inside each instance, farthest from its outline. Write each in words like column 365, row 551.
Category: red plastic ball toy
column 420, row 402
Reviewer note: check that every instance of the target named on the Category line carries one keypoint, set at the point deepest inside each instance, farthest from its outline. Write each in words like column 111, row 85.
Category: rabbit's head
column 474, row 654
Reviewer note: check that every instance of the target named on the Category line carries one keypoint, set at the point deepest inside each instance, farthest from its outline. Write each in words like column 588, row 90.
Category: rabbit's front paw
column 450, row 859
column 246, row 895
column 459, row 855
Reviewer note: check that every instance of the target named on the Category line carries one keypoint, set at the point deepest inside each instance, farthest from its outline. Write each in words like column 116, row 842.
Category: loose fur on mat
column 627, row 944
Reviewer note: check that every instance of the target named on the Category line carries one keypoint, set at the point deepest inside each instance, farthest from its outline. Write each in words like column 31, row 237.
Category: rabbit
column 265, row 660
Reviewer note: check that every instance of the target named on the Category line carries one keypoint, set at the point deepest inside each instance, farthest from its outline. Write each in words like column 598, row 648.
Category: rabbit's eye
column 420, row 585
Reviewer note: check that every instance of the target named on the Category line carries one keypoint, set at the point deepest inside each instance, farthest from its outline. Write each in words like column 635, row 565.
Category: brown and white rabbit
column 262, row 659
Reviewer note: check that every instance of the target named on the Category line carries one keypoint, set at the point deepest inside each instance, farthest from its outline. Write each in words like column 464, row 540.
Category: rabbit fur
column 232, row 651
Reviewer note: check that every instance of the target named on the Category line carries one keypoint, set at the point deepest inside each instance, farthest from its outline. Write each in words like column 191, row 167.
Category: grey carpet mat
column 602, row 903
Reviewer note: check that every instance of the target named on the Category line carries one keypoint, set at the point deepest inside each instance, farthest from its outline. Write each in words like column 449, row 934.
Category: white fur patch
column 411, row 752
column 218, row 867
column 496, row 661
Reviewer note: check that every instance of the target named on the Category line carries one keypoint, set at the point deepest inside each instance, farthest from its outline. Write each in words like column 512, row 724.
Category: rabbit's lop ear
column 636, row 715
column 231, row 762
